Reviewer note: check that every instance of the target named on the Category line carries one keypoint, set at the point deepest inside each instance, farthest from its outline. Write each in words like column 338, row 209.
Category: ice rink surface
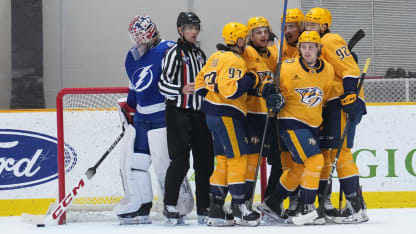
column 382, row 221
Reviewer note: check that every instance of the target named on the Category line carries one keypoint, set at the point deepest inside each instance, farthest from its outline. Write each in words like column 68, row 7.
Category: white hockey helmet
column 143, row 32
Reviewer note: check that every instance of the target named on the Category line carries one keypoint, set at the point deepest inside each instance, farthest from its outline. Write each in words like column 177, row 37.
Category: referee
column 186, row 125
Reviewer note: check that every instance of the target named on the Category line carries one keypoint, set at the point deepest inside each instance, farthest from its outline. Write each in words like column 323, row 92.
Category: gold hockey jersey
column 264, row 65
column 220, row 77
column 305, row 90
column 289, row 51
column 335, row 51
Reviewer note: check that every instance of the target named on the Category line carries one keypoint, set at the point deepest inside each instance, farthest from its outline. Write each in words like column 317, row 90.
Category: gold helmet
column 256, row 22
column 232, row 31
column 319, row 15
column 293, row 15
column 310, row 36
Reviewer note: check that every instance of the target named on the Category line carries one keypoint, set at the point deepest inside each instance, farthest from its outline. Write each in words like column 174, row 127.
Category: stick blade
column 90, row 172
column 356, row 38
column 33, row 219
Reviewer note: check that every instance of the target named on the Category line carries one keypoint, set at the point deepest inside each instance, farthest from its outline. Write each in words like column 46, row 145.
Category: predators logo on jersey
column 265, row 75
column 311, row 96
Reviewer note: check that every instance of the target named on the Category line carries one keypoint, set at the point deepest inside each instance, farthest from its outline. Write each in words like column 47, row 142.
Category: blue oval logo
column 30, row 158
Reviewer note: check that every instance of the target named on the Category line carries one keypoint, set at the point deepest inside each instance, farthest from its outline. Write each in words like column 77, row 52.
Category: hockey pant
column 159, row 150
column 347, row 170
column 135, row 177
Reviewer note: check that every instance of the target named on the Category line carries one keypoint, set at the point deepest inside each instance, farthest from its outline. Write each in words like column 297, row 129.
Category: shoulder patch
column 291, row 60
column 170, row 43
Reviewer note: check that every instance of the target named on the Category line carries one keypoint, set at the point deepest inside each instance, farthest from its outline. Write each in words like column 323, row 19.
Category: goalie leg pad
column 135, row 177
column 158, row 147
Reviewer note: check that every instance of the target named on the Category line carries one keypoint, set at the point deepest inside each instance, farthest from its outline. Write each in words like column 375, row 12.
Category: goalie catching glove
column 126, row 112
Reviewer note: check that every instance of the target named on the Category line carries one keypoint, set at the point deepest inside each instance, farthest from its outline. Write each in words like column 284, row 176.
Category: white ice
column 382, row 221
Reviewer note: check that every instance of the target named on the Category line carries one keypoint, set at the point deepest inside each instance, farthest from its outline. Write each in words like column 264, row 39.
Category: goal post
column 74, row 103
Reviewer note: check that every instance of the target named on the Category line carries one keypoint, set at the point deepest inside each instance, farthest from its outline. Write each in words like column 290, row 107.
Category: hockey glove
column 275, row 102
column 268, row 89
column 127, row 111
column 353, row 106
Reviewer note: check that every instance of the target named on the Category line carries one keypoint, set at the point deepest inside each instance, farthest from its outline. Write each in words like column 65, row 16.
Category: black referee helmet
column 188, row 18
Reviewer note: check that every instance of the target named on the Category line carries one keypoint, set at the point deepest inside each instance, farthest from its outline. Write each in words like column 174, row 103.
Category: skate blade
column 174, row 222
column 356, row 218
column 303, row 219
column 135, row 220
column 246, row 223
column 271, row 217
column 220, row 222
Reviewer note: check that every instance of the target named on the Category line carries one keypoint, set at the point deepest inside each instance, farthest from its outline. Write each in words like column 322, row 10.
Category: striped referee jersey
column 180, row 66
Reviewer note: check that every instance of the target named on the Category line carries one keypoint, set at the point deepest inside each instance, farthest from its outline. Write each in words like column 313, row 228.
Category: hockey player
column 262, row 59
column 343, row 102
column 305, row 82
column 186, row 124
column 293, row 28
column 224, row 82
column 143, row 67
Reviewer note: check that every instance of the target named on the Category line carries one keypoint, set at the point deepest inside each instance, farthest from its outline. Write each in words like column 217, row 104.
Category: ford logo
column 29, row 158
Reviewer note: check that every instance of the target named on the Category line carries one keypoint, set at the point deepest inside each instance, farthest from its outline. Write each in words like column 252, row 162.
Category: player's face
column 309, row 51
column 292, row 32
column 260, row 36
column 190, row 32
column 311, row 26
column 241, row 43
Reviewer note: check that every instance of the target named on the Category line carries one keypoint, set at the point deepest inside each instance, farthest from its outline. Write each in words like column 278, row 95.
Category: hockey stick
column 355, row 39
column 266, row 125
column 344, row 134
column 54, row 214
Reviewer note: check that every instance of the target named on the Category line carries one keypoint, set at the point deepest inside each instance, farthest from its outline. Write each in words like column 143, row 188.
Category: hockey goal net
column 88, row 122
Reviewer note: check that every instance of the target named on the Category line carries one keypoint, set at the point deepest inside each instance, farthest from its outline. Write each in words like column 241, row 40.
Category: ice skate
column 139, row 217
column 352, row 213
column 172, row 216
column 293, row 209
column 202, row 216
column 245, row 216
column 217, row 216
column 274, row 213
column 309, row 215
column 327, row 208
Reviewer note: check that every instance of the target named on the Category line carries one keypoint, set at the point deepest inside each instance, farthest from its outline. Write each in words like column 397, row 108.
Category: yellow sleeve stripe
column 298, row 147
column 228, row 123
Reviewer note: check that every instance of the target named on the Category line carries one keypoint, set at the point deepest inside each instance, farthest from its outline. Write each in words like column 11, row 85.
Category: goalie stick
column 52, row 215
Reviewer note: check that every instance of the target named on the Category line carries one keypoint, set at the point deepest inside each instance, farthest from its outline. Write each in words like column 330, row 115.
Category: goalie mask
column 143, row 33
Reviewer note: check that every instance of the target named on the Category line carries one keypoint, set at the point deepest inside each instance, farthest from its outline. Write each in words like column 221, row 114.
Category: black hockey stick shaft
column 92, row 170
column 344, row 134
column 355, row 39
column 266, row 125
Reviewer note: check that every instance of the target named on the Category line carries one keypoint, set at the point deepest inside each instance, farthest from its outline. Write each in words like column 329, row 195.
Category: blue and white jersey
column 144, row 73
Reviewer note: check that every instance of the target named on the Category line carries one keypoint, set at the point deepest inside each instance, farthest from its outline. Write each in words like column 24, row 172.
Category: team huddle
column 250, row 99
